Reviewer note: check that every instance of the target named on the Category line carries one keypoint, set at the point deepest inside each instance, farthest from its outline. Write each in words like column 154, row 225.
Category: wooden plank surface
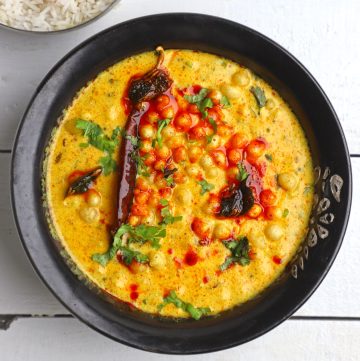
column 68, row 339
column 25, row 294
column 322, row 35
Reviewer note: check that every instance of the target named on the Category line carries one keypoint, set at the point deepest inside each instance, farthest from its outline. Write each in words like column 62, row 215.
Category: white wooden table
column 324, row 35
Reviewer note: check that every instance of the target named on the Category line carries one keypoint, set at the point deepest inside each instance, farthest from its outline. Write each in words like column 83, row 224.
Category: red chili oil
column 277, row 260
column 205, row 279
column 134, row 295
column 191, row 258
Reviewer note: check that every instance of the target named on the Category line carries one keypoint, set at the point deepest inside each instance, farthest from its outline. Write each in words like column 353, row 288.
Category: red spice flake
column 178, row 262
column 170, row 251
column 252, row 254
column 206, row 279
column 218, row 272
column 134, row 295
column 277, row 260
column 133, row 287
column 191, row 258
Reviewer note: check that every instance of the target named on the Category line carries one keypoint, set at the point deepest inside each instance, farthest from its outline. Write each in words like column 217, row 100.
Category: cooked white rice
column 49, row 15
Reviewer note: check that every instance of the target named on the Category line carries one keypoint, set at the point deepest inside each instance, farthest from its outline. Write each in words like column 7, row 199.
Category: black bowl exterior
column 295, row 85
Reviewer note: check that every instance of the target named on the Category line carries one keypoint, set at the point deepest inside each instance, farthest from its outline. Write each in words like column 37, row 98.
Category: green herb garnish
column 195, row 312
column 133, row 140
column 98, row 139
column 239, row 253
column 161, row 125
column 269, row 157
column 285, row 213
column 243, row 174
column 168, row 218
column 128, row 255
column 108, row 164
column 143, row 233
column 205, row 186
column 259, row 96
column 139, row 234
column 213, row 124
column 170, row 181
column 201, row 101
column 225, row 102
column 142, row 169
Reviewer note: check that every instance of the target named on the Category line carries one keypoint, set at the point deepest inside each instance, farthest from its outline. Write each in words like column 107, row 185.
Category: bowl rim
column 75, row 27
column 71, row 308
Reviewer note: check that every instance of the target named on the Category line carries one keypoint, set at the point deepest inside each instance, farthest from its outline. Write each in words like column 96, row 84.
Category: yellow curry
column 221, row 194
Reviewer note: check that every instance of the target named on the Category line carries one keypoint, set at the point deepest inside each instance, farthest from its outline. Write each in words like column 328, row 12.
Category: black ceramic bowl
column 296, row 86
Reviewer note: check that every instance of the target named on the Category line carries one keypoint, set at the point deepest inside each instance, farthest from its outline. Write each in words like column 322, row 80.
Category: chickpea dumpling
column 215, row 210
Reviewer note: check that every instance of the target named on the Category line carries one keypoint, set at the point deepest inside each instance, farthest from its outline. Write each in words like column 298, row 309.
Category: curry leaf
column 259, row 95
column 83, row 183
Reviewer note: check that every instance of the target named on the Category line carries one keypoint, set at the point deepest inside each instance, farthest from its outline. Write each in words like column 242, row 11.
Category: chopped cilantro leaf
column 170, row 181
column 239, row 253
column 195, row 312
column 133, row 140
column 98, row 139
column 139, row 234
column 96, row 136
column 205, row 186
column 142, row 169
column 201, row 101
column 269, row 157
column 213, row 124
column 162, row 123
column 128, row 255
column 108, row 164
column 224, row 101
column 168, row 218
column 164, row 202
column 243, row 174
column 197, row 97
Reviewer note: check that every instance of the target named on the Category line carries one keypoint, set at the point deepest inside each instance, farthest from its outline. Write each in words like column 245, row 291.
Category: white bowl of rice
column 51, row 15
